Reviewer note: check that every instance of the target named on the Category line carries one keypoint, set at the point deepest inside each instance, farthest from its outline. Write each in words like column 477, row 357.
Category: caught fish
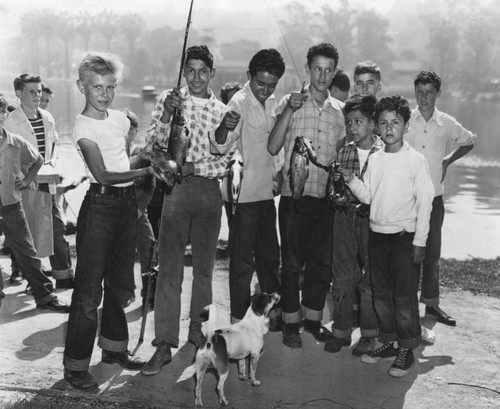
column 311, row 153
column 165, row 168
column 235, row 178
column 299, row 168
column 179, row 141
column 336, row 189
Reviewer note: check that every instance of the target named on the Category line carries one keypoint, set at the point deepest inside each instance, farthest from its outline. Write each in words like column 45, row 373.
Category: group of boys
column 375, row 244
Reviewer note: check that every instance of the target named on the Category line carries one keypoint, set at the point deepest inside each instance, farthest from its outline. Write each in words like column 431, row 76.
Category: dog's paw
column 242, row 376
column 255, row 382
column 198, row 402
column 223, row 401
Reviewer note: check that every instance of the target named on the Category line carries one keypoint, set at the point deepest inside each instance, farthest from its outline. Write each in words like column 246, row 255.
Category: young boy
column 306, row 223
column 340, row 86
column 351, row 267
column 429, row 133
column 46, row 97
column 194, row 206
column 253, row 240
column 398, row 187
column 106, row 228
column 367, row 78
column 19, row 164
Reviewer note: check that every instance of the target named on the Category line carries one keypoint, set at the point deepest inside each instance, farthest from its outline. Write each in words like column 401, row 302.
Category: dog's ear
column 259, row 303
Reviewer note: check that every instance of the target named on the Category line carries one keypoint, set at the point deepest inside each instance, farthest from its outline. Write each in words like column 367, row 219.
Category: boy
column 351, row 267
column 398, row 187
column 367, row 78
column 306, row 223
column 46, row 97
column 340, row 86
column 429, row 133
column 194, row 206
column 19, row 163
column 253, row 240
column 106, row 228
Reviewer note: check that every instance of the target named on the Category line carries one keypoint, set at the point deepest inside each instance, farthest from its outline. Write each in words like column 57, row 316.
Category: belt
column 43, row 187
column 126, row 192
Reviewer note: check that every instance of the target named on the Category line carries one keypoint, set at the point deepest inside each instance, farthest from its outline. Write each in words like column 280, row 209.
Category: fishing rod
column 186, row 34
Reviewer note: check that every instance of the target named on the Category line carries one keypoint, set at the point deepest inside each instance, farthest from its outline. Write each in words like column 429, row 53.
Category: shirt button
column 425, row 131
column 423, row 146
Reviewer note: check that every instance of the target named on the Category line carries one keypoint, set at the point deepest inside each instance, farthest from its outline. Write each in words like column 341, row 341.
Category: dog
column 239, row 341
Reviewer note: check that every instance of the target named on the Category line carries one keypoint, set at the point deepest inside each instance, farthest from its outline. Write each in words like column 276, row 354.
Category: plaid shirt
column 202, row 123
column 349, row 159
column 324, row 127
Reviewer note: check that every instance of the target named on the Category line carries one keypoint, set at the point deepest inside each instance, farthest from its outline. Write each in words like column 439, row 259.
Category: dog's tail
column 212, row 319
column 188, row 373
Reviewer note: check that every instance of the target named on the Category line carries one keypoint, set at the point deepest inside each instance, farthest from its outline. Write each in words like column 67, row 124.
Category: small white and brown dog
column 238, row 341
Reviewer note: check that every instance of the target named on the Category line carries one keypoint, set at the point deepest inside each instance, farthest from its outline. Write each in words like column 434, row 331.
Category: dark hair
column 226, row 89
column 46, row 89
column 367, row 67
column 341, row 81
column 132, row 117
column 200, row 52
column 3, row 102
column 365, row 105
column 267, row 60
column 327, row 50
column 23, row 79
column 394, row 103
column 428, row 77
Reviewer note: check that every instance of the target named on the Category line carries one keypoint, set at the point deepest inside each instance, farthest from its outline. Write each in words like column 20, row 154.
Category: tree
column 131, row 26
column 85, row 25
column 65, row 29
column 30, row 31
column 47, row 23
column 108, row 26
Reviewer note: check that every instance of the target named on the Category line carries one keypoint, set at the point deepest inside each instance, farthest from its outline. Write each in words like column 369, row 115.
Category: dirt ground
column 461, row 370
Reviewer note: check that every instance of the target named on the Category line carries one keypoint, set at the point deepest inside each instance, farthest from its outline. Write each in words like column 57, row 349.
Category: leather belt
column 126, row 192
column 43, row 187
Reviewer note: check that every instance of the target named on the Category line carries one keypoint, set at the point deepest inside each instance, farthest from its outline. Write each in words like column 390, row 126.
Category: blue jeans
column 17, row 232
column 430, row 271
column 145, row 241
column 192, row 210
column 395, row 281
column 307, row 240
column 105, row 247
column 60, row 261
column 253, row 245
column 351, row 271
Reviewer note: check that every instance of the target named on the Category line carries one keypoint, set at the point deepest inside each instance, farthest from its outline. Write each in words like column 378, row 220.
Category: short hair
column 46, row 89
column 363, row 104
column 428, row 77
column 132, row 117
column 267, row 60
column 3, row 102
column 226, row 89
column 341, row 81
column 200, row 52
column 368, row 67
column 101, row 64
column 393, row 103
column 23, row 79
column 327, row 50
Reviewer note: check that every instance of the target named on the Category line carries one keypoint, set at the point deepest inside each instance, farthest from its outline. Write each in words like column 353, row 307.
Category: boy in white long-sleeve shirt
column 399, row 188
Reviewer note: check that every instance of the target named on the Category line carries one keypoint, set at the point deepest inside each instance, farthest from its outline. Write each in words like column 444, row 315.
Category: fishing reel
column 165, row 167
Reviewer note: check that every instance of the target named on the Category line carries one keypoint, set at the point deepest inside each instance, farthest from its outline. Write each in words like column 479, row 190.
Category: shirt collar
column 334, row 103
column 437, row 116
column 254, row 101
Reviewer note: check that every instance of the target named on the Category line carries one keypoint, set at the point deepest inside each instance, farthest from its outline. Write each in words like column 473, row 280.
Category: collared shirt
column 324, row 127
column 15, row 153
column 201, row 123
column 432, row 137
column 349, row 159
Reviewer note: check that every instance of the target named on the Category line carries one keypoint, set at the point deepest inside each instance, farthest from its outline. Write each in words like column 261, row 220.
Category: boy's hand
column 418, row 254
column 173, row 101
column 346, row 173
column 296, row 100
column 231, row 120
column 22, row 184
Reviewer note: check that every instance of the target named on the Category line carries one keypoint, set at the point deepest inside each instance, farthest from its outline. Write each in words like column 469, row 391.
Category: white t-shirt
column 363, row 157
column 110, row 136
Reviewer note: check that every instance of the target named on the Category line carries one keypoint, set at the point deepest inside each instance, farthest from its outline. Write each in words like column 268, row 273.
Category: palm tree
column 85, row 25
column 65, row 29
column 108, row 26
column 30, row 30
column 48, row 22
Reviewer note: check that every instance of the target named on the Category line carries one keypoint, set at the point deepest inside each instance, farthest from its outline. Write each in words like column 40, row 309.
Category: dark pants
column 253, row 244
column 395, row 281
column 105, row 247
column 307, row 240
column 17, row 232
column 430, row 266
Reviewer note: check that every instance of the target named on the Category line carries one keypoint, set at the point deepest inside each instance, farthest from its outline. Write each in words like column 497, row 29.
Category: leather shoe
column 336, row 344
column 80, row 379
column 123, row 359
column 291, row 335
column 65, row 283
column 320, row 333
column 441, row 316
column 55, row 305
column 16, row 277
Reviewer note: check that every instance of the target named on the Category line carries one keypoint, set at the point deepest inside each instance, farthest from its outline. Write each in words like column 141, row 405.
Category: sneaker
column 291, row 336
column 80, row 379
column 385, row 351
column 122, row 358
column 403, row 364
column 161, row 357
column 336, row 344
column 364, row 346
column 195, row 335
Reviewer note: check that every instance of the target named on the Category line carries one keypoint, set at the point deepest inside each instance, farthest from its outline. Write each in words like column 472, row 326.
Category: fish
column 311, row 153
column 235, row 178
column 299, row 168
column 179, row 141
column 165, row 167
column 336, row 196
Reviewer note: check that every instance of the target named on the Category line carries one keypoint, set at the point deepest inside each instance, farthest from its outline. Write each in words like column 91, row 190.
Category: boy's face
column 262, row 85
column 45, row 101
column 392, row 128
column 337, row 93
column 30, row 95
column 99, row 90
column 426, row 96
column 321, row 72
column 3, row 117
column 358, row 126
column 367, row 84
column 198, row 76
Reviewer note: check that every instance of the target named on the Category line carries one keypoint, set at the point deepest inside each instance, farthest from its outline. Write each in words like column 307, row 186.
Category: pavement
column 461, row 370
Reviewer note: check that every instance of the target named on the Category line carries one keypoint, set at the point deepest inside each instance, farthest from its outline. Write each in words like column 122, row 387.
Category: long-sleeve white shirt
column 399, row 188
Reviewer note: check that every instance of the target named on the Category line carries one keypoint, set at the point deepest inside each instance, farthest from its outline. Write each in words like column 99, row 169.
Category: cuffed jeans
column 193, row 209
column 351, row 271
column 60, row 261
column 307, row 240
column 395, row 281
column 252, row 236
column 105, row 247
column 430, row 267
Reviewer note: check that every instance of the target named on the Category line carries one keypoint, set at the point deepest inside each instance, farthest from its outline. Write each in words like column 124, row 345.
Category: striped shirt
column 37, row 125
column 201, row 123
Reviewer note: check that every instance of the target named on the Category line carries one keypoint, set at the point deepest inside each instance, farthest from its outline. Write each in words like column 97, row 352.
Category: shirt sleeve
column 423, row 191
column 28, row 153
column 460, row 135
column 83, row 131
column 361, row 188
column 158, row 131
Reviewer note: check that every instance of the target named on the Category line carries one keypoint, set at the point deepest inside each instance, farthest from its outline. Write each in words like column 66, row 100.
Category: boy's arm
column 423, row 192
column 454, row 156
column 359, row 188
column 33, row 170
column 227, row 125
column 159, row 128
